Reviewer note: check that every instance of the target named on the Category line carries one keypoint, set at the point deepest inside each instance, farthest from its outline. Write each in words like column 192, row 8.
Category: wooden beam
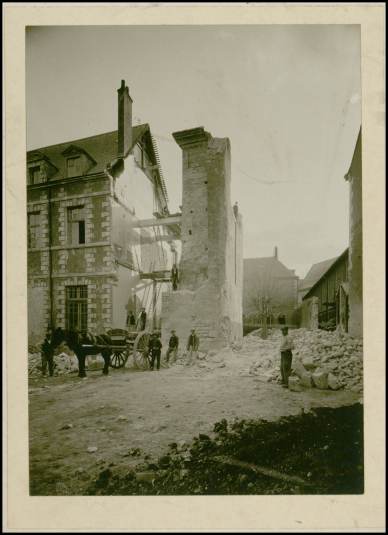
column 158, row 222
column 268, row 472
column 162, row 275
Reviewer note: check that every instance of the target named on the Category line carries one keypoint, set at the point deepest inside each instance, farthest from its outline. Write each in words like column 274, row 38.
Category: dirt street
column 145, row 410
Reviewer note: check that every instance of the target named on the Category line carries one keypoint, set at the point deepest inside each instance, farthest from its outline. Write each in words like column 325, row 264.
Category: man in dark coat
column 142, row 319
column 47, row 355
column 174, row 277
column 192, row 346
column 131, row 321
column 173, row 345
column 154, row 351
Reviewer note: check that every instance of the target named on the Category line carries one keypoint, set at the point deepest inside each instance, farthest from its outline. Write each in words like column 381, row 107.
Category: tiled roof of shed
column 315, row 273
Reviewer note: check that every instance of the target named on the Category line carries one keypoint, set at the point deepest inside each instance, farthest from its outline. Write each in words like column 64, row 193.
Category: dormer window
column 35, row 174
column 78, row 161
column 73, row 166
column 39, row 168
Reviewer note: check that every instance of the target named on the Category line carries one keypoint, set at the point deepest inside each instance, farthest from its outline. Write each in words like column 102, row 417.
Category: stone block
column 333, row 382
column 309, row 364
column 294, row 384
column 306, row 380
column 320, row 380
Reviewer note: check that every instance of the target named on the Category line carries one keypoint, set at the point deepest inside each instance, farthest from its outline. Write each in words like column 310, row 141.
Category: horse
column 75, row 342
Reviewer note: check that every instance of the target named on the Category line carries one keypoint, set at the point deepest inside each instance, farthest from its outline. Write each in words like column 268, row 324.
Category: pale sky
column 288, row 98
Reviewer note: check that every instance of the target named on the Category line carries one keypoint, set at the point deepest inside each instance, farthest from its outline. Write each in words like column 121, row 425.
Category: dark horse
column 76, row 341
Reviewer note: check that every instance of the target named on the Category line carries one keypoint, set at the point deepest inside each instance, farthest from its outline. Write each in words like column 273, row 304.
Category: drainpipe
column 51, row 316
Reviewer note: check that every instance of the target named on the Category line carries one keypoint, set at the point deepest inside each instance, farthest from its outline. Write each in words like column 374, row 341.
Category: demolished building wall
column 209, row 297
column 354, row 177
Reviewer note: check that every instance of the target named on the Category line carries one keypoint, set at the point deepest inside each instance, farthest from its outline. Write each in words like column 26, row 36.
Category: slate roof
column 266, row 266
column 102, row 148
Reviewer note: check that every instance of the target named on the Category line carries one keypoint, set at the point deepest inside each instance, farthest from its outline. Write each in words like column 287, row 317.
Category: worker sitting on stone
column 154, row 351
column 173, row 345
column 192, row 347
column 286, row 348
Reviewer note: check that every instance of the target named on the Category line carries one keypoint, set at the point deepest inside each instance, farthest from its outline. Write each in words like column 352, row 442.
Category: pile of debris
column 63, row 364
column 252, row 457
column 322, row 359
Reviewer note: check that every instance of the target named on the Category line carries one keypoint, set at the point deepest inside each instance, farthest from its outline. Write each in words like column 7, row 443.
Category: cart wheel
column 140, row 350
column 118, row 359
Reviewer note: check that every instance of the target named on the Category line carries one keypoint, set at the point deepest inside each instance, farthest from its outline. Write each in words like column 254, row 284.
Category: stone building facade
column 354, row 177
column 209, row 297
column 85, row 253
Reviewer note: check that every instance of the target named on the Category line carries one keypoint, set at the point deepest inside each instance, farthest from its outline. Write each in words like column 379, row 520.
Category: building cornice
column 193, row 136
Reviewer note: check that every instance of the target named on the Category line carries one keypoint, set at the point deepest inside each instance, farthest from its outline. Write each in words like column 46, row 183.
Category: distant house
column 331, row 292
column 269, row 278
column 314, row 274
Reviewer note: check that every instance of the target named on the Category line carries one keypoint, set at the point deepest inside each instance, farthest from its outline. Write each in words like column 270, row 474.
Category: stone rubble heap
column 321, row 359
column 64, row 364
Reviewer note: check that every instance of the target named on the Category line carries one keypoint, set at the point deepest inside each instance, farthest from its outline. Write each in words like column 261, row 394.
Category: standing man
column 286, row 348
column 47, row 354
column 155, row 348
column 235, row 209
column 173, row 345
column 142, row 320
column 131, row 321
column 174, row 277
column 192, row 346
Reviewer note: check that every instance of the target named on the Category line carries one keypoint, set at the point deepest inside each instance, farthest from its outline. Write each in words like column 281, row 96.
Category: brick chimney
column 275, row 253
column 124, row 121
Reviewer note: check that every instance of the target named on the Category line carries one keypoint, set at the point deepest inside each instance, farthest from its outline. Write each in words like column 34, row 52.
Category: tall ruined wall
column 355, row 243
column 209, row 298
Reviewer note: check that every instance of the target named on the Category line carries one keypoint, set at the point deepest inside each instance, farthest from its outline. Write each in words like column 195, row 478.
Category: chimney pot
column 275, row 253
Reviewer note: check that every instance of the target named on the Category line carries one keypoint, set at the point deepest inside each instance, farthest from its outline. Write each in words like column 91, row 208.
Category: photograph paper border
column 24, row 513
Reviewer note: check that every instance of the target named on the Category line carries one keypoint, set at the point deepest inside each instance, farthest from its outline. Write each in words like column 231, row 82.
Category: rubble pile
column 322, row 359
column 252, row 457
column 63, row 364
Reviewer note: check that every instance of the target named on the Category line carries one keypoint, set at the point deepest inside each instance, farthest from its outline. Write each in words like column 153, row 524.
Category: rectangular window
column 76, row 225
column 33, row 231
column 77, row 308
column 35, row 174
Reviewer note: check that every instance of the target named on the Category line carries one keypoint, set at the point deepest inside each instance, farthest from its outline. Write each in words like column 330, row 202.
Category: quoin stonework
column 209, row 298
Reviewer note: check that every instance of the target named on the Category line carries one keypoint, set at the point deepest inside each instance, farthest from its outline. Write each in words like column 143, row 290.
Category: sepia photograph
column 194, row 230
column 194, row 268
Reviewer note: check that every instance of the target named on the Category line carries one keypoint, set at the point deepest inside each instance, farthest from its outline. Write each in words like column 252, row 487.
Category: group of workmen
column 155, row 348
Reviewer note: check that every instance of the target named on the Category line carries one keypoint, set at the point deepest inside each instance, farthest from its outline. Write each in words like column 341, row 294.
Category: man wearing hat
column 173, row 345
column 286, row 348
column 154, row 350
column 192, row 346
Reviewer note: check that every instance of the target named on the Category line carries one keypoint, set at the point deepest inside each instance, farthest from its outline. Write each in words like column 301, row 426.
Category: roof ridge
column 74, row 141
